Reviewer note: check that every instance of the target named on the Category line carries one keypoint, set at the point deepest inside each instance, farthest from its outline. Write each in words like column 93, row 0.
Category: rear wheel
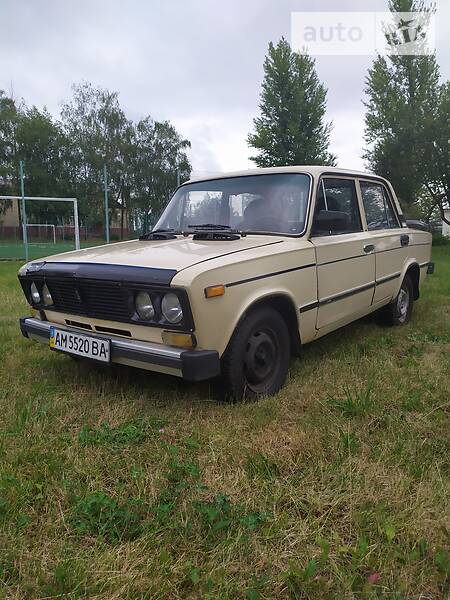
column 256, row 361
column 398, row 312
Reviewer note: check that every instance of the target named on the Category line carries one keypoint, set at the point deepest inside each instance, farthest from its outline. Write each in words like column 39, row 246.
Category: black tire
column 256, row 361
column 398, row 311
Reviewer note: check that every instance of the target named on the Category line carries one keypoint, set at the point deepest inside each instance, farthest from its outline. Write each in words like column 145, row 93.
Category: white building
column 445, row 227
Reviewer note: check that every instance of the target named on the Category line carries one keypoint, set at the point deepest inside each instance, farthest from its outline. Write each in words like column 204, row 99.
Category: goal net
column 41, row 233
column 35, row 227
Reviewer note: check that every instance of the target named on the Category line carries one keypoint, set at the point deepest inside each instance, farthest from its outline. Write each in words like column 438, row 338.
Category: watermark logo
column 363, row 33
column 406, row 33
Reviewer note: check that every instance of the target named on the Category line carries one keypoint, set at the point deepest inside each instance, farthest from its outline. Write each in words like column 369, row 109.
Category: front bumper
column 192, row 365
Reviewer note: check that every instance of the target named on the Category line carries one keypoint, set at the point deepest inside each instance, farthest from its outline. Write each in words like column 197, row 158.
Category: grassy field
column 15, row 250
column 116, row 484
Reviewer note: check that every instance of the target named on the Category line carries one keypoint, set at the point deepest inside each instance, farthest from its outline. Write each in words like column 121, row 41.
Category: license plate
column 81, row 345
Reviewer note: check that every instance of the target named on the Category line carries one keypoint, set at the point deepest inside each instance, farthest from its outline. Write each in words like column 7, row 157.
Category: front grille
column 106, row 299
column 102, row 300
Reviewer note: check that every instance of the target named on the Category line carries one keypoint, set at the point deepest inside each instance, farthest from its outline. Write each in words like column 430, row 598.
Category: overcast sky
column 197, row 63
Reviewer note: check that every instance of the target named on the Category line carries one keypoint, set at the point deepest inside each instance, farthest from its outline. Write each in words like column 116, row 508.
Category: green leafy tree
column 159, row 153
column 142, row 158
column 41, row 145
column 291, row 129
column 437, row 155
column 402, row 106
column 9, row 117
column 66, row 157
column 32, row 136
column 99, row 134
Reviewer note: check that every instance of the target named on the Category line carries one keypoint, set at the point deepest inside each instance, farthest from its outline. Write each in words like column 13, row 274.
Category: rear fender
column 411, row 268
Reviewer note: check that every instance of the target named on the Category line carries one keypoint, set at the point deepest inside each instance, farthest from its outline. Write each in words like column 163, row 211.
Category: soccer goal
column 41, row 233
column 33, row 226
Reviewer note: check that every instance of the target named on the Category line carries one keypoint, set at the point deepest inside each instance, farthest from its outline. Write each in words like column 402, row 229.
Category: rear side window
column 379, row 211
column 339, row 195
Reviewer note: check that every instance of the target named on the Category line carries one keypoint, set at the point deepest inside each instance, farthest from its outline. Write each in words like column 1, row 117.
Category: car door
column 389, row 238
column 345, row 260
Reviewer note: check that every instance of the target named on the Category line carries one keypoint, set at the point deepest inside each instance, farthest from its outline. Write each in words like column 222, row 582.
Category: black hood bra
column 100, row 271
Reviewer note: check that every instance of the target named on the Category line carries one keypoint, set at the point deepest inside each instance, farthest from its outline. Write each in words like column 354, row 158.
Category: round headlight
column 35, row 295
column 144, row 306
column 171, row 308
column 46, row 296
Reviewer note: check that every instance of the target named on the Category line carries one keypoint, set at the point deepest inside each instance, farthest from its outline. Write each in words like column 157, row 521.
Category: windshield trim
column 251, row 232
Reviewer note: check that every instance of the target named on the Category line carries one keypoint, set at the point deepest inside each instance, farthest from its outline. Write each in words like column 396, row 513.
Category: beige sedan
column 239, row 272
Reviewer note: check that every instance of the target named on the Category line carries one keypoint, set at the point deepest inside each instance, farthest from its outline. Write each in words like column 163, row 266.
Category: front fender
column 220, row 316
column 217, row 318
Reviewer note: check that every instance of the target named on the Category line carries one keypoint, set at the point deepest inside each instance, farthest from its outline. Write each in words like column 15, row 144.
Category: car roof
column 314, row 170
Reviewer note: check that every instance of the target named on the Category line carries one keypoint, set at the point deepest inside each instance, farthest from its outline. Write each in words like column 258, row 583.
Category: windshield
column 274, row 203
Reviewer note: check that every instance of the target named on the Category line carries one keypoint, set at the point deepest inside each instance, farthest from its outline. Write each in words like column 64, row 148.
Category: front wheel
column 398, row 312
column 256, row 361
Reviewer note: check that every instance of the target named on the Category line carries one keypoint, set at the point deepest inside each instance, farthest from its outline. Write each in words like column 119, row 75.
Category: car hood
column 176, row 254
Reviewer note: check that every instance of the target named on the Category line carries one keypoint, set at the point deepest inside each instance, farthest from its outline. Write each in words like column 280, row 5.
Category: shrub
column 440, row 240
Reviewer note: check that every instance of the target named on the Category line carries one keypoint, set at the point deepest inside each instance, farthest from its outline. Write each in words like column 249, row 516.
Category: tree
column 8, row 125
column 403, row 96
column 9, row 118
column 159, row 153
column 291, row 128
column 41, row 146
column 437, row 151
column 142, row 158
column 32, row 136
column 66, row 157
column 99, row 134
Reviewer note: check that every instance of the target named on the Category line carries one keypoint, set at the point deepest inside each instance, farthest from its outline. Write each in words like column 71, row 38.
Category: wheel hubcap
column 260, row 357
column 403, row 304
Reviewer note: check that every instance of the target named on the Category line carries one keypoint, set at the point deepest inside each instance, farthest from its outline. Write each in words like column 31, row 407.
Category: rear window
column 377, row 205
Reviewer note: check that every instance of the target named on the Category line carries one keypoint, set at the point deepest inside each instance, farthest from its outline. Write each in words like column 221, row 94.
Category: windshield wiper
column 215, row 231
column 209, row 226
column 216, row 234
column 160, row 234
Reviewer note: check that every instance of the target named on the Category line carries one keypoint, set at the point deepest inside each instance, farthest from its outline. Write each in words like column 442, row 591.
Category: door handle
column 369, row 248
column 404, row 240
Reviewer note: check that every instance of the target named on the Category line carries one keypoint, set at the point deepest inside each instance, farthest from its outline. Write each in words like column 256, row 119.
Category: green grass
column 117, row 484
column 16, row 250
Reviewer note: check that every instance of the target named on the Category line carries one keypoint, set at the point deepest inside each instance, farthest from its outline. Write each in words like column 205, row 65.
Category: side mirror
column 416, row 224
column 332, row 220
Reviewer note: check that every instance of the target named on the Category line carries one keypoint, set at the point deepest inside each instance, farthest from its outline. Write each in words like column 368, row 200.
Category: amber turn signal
column 179, row 340
column 214, row 290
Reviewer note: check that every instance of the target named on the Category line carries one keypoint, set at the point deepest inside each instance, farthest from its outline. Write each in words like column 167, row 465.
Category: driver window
column 337, row 195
